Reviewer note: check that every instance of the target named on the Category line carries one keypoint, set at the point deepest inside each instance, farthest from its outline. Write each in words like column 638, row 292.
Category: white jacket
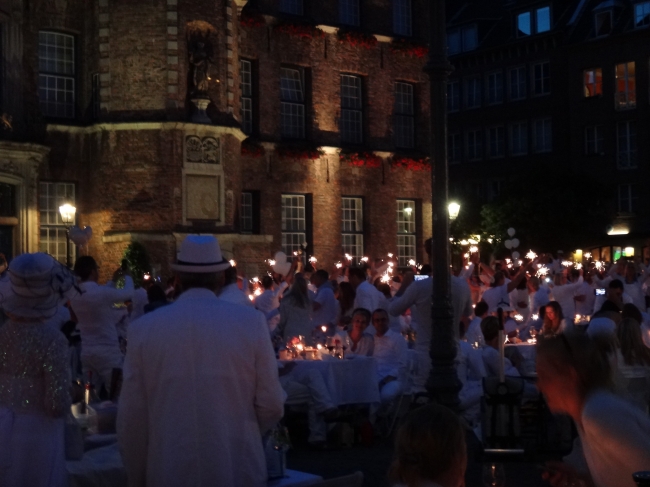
column 200, row 386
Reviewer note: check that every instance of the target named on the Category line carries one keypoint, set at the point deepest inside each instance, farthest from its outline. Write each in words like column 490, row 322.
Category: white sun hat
column 200, row 254
column 35, row 285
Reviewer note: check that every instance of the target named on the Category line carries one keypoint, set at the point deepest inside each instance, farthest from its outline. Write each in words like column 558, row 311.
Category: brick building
column 269, row 124
column 554, row 85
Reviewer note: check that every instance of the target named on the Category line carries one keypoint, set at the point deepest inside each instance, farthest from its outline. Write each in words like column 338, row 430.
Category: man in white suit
column 200, row 384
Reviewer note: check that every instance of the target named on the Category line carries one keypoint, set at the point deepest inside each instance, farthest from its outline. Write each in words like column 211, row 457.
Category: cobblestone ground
column 374, row 462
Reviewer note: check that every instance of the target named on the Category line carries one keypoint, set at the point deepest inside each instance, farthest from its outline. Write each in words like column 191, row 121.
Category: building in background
column 559, row 87
column 270, row 125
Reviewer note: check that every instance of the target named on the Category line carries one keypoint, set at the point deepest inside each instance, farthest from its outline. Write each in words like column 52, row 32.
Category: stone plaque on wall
column 202, row 197
column 206, row 150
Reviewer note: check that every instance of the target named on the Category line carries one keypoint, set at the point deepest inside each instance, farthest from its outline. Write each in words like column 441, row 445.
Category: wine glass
column 494, row 475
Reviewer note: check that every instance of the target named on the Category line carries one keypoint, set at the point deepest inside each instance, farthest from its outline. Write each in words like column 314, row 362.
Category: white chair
column 354, row 480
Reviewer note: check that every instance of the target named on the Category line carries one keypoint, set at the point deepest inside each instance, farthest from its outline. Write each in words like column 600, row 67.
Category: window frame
column 512, row 138
column 284, row 104
column 631, row 154
column 478, row 144
column 549, row 136
column 597, row 15
column 632, row 198
column 519, row 69
column 254, row 216
column 455, row 95
column 289, row 247
column 457, row 147
column 498, row 87
column 477, row 92
column 358, row 234
column 629, row 94
column 596, row 85
column 500, row 141
column 404, row 116
column 247, row 126
column 534, row 79
column 56, row 75
column 533, row 21
column 57, row 226
column 594, row 144
column 355, row 17
column 646, row 17
column 407, row 23
column 352, row 112
column 407, row 237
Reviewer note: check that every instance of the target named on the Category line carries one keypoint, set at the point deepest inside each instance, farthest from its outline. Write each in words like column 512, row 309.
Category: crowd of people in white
column 211, row 336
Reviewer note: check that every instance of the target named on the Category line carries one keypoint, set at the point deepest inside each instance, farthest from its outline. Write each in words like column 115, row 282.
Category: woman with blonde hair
column 430, row 449
column 554, row 322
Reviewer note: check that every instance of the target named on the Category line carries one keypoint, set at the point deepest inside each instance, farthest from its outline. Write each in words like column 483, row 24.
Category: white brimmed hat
column 35, row 285
column 200, row 254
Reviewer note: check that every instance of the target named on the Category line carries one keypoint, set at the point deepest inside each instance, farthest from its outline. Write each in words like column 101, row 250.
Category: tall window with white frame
column 404, row 116
column 53, row 239
column 594, row 140
column 349, row 12
column 246, row 87
column 352, row 227
column 642, row 14
column 474, row 145
column 292, row 107
column 541, row 78
column 519, row 139
column 406, row 232
column 246, row 212
column 294, row 223
column 351, row 110
column 495, row 87
column 294, row 7
column 542, row 129
column 517, row 83
column 627, row 198
column 625, row 85
column 402, row 17
column 56, row 77
column 626, row 145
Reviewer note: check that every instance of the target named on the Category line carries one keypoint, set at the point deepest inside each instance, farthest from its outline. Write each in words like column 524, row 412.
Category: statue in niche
column 200, row 56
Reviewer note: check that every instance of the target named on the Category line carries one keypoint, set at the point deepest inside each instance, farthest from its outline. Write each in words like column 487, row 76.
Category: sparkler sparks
column 567, row 263
column 411, row 262
column 588, row 255
column 531, row 255
column 542, row 271
column 348, row 256
column 313, row 260
column 473, row 249
column 233, row 263
column 271, row 262
column 339, row 265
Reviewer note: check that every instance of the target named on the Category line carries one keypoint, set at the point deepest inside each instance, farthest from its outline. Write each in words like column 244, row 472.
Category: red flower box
column 252, row 149
column 356, row 38
column 411, row 164
column 298, row 153
column 251, row 19
column 361, row 159
column 411, row 48
column 300, row 30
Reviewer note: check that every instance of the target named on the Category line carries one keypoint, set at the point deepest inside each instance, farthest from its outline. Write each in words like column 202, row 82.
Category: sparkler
column 473, row 249
column 255, row 279
column 313, row 260
column 339, row 265
column 348, row 256
column 567, row 263
column 233, row 263
column 324, row 328
column 385, row 278
column 390, row 255
column 542, row 271
column 466, row 255
column 411, row 262
column 535, row 317
column 508, row 261
column 251, row 297
column 271, row 262
column 531, row 255
column 578, row 266
column 364, row 259
column 588, row 255
column 518, row 317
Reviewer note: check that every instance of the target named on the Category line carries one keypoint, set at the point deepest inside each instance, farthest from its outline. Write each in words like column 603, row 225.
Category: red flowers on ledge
column 251, row 19
column 303, row 31
column 405, row 46
column 356, row 38
column 252, row 149
column 411, row 164
column 361, row 159
column 298, row 153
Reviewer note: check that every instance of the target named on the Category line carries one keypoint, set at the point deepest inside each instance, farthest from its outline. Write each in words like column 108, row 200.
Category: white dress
column 34, row 381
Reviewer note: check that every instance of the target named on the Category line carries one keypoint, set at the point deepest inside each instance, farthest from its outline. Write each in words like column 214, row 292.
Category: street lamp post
column 67, row 212
column 443, row 384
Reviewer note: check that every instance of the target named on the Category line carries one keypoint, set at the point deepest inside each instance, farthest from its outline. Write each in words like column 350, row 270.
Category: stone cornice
column 23, row 150
column 201, row 129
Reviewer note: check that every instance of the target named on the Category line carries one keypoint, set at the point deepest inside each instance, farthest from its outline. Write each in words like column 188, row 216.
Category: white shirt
column 390, row 354
column 60, row 318
column 369, row 297
column 564, row 294
column 491, row 360
column 538, row 299
column 470, row 364
column 96, row 316
column 496, row 297
column 474, row 333
column 615, row 439
column 417, row 297
column 268, row 301
column 586, row 307
column 329, row 310
column 461, row 301
column 199, row 389
column 233, row 294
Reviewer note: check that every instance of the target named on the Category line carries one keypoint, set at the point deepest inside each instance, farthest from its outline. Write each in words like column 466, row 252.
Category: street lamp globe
column 454, row 209
column 67, row 212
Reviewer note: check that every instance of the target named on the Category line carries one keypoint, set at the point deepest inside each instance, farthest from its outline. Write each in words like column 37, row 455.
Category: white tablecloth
column 349, row 381
column 103, row 467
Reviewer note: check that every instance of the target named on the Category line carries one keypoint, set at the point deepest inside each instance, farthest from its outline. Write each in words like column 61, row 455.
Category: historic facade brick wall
column 128, row 162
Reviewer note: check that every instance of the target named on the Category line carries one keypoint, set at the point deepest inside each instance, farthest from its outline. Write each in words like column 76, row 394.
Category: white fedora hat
column 200, row 254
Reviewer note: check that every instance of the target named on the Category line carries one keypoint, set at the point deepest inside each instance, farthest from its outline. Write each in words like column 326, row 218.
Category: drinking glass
column 493, row 475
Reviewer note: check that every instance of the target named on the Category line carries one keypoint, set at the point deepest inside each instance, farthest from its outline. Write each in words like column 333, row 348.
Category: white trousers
column 101, row 363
